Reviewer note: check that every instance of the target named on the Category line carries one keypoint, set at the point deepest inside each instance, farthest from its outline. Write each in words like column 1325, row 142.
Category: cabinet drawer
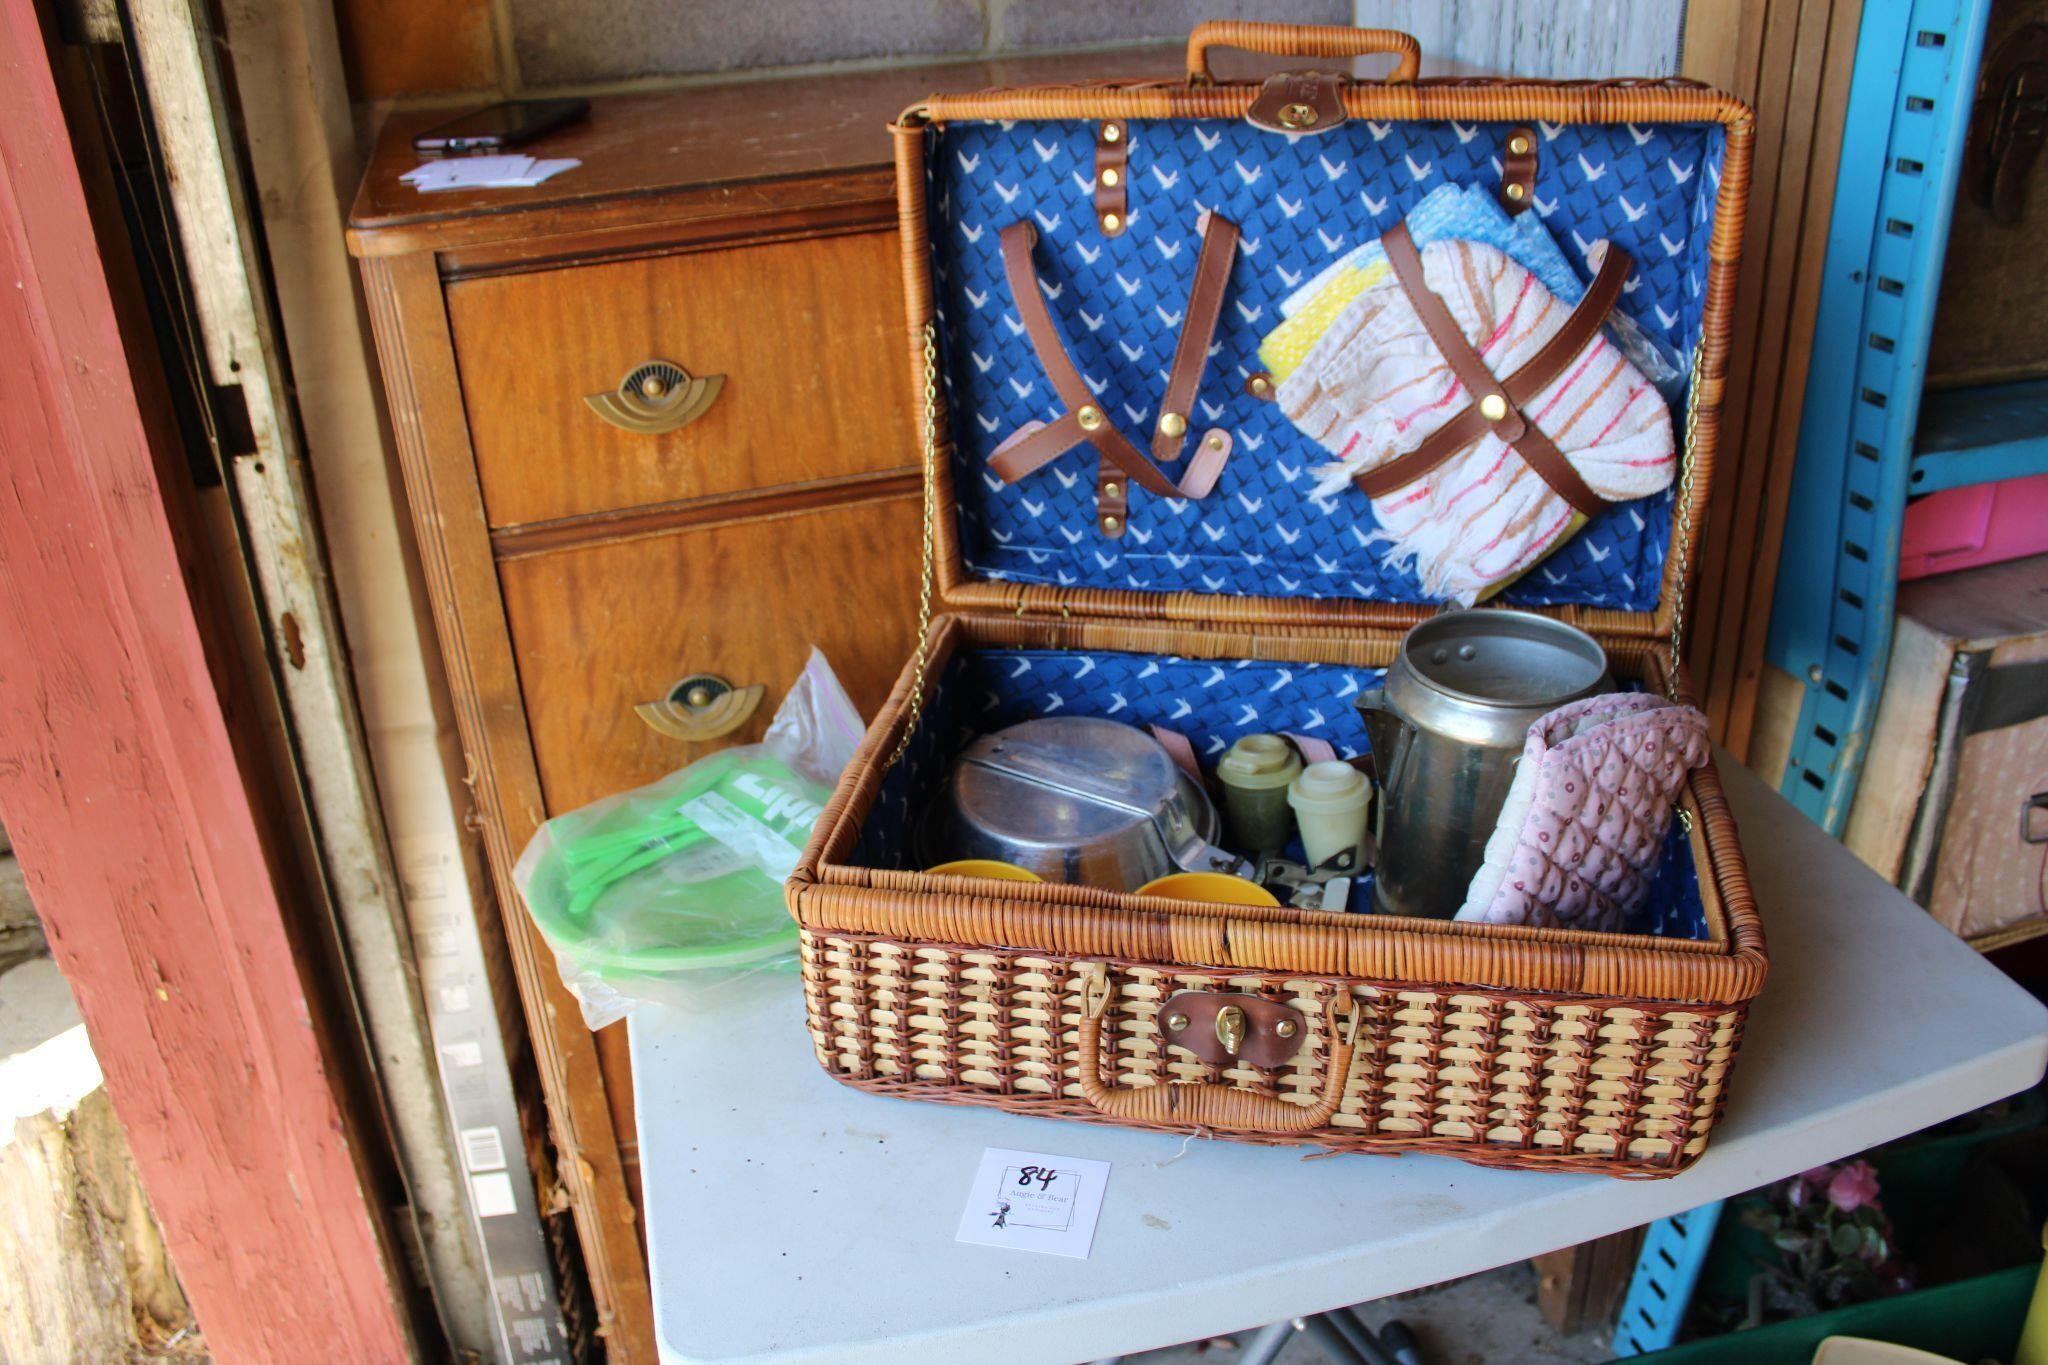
column 598, row 630
column 807, row 334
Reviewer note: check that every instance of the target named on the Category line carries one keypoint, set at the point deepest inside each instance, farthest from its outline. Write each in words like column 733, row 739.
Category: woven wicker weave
column 1509, row 1046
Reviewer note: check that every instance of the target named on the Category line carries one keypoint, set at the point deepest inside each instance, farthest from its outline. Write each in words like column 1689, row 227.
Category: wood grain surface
column 417, row 47
column 410, row 322
column 1791, row 60
column 805, row 333
column 601, row 629
column 719, row 138
column 741, row 231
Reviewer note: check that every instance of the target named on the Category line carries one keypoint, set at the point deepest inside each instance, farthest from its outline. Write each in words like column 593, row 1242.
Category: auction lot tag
column 1031, row 1201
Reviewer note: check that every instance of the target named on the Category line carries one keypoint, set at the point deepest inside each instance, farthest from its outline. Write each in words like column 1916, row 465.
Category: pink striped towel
column 1373, row 386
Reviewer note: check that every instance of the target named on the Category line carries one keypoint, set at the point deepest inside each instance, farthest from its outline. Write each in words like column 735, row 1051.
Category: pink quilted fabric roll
column 1584, row 824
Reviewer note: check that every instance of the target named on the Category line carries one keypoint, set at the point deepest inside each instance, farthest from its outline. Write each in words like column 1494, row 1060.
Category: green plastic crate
column 1968, row 1320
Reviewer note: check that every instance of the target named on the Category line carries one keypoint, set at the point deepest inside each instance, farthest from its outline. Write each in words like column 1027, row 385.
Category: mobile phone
column 499, row 126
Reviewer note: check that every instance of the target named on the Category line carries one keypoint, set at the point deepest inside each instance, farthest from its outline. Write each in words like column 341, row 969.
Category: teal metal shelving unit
column 1982, row 435
column 1866, row 441
column 1674, row 1250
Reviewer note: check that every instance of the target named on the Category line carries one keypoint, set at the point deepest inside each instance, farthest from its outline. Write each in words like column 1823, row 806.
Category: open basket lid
column 1657, row 169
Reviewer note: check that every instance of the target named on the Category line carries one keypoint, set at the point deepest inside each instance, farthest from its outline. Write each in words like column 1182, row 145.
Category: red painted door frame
column 120, row 784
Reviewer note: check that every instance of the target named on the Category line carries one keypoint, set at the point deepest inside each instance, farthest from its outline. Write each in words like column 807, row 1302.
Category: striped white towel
column 1373, row 387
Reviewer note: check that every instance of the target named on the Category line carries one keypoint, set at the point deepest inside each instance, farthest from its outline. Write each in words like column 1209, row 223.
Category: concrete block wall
column 410, row 49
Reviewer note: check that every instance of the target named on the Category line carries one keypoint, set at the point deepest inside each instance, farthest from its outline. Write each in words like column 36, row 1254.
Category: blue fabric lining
column 1301, row 203
column 1213, row 703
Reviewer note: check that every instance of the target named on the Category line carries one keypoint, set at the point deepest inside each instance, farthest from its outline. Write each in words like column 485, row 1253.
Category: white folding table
column 790, row 1218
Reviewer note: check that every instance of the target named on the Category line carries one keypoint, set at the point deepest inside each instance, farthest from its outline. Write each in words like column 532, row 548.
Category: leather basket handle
column 1300, row 40
column 1208, row 1105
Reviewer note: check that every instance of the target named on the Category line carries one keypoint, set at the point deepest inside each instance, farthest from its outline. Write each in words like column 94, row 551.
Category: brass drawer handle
column 656, row 396
column 701, row 706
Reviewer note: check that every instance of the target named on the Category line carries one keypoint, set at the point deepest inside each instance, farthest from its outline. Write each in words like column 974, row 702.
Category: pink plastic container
column 1961, row 528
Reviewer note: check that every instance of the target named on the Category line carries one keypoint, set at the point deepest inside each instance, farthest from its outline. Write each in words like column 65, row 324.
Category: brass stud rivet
column 1176, row 1021
column 1261, row 385
column 1110, row 523
column 1110, row 177
column 1516, row 192
column 1112, row 490
column 1112, row 223
column 1286, row 1028
column 1090, row 417
column 1112, row 132
column 1172, row 424
column 1518, row 144
column 699, row 696
column 1493, row 407
column 653, row 386
column 1298, row 116
column 1215, row 441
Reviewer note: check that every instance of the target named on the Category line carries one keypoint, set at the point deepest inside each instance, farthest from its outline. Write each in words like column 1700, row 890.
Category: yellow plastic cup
column 985, row 867
column 1217, row 888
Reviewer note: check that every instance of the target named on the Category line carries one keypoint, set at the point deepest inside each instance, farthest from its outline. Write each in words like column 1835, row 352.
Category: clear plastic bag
column 673, row 891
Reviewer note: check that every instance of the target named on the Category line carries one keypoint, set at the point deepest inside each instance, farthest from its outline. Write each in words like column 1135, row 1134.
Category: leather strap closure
column 1299, row 102
column 1197, row 330
column 1112, row 176
column 1518, row 170
column 1489, row 395
column 1036, row 444
column 1112, row 500
column 1227, row 1029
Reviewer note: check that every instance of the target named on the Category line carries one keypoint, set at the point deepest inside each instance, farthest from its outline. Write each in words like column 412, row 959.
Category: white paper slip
column 484, row 172
column 467, row 169
column 1032, row 1201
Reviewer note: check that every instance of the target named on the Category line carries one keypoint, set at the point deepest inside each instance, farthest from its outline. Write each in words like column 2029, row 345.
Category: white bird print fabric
column 1304, row 206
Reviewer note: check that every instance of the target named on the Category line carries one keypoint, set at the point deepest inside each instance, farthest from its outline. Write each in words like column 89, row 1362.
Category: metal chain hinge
column 929, row 536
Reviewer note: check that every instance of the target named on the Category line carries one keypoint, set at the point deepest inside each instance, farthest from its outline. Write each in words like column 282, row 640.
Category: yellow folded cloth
column 1288, row 345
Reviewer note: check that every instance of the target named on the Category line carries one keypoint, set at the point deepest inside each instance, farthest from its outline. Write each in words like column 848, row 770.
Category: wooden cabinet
column 598, row 630
column 576, row 568
column 804, row 336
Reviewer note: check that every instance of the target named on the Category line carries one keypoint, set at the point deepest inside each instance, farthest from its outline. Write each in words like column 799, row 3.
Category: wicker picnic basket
column 1508, row 1046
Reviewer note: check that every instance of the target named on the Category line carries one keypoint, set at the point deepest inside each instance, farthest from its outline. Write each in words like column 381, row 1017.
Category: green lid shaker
column 1255, row 774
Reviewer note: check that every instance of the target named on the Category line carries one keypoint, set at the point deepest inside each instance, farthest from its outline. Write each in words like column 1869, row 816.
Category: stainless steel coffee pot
column 1447, row 726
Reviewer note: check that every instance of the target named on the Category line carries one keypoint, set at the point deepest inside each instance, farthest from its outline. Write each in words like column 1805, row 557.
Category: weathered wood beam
column 123, row 794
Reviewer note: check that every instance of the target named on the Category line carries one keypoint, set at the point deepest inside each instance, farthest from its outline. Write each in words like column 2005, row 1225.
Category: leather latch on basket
column 1518, row 170
column 1224, row 1030
column 1299, row 102
column 1112, row 169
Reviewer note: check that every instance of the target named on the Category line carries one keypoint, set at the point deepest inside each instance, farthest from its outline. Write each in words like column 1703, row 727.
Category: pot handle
column 1300, row 40
column 1209, row 1105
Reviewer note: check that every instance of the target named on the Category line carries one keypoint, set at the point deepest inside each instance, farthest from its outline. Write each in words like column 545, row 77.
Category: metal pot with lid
column 1075, row 799
column 1447, row 727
